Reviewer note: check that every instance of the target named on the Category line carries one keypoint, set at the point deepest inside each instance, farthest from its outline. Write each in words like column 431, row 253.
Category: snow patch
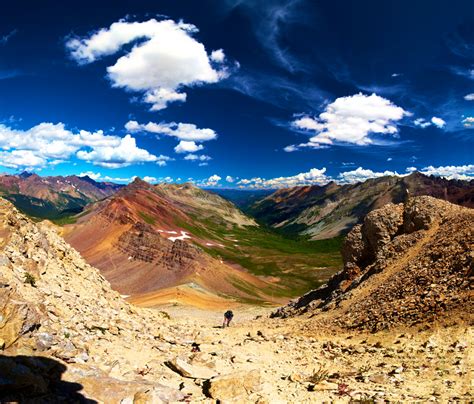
column 183, row 236
column 168, row 231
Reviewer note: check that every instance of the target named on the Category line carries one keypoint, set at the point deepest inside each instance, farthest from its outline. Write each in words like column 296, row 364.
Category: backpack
column 228, row 314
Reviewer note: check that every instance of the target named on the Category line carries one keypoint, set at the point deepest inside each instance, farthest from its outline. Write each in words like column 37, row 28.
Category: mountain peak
column 139, row 183
column 25, row 174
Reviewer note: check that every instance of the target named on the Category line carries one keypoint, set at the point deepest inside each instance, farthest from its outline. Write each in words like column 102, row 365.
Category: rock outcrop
column 406, row 264
column 55, row 310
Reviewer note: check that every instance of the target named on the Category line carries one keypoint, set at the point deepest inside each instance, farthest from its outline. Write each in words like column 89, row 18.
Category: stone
column 234, row 386
column 185, row 369
column 324, row 385
column 44, row 341
column 158, row 394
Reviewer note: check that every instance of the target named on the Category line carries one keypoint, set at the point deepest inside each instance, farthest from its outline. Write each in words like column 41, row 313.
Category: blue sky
column 240, row 93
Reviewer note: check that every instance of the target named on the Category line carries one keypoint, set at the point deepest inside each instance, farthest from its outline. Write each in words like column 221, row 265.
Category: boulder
column 185, row 369
column 234, row 386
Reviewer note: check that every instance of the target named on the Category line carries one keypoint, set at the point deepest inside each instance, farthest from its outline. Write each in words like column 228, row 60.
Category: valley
column 189, row 245
column 145, row 238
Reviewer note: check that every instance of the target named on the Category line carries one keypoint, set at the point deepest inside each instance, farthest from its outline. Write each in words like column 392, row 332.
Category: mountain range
column 53, row 197
column 399, row 310
column 177, row 241
column 321, row 212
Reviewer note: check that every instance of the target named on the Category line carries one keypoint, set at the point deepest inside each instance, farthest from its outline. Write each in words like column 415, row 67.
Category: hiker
column 228, row 315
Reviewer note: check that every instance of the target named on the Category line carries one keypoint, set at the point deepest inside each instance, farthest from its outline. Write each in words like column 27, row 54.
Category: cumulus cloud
column 465, row 172
column 312, row 177
column 49, row 144
column 319, row 177
column 164, row 59
column 91, row 174
column 212, row 181
column 188, row 134
column 21, row 159
column 218, row 56
column 188, row 147
column 361, row 174
column 469, row 97
column 121, row 155
column 181, row 131
column 151, row 180
column 230, row 179
column 350, row 120
column 438, row 122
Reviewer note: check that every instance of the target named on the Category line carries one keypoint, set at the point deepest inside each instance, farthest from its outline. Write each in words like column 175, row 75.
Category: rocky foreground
column 67, row 337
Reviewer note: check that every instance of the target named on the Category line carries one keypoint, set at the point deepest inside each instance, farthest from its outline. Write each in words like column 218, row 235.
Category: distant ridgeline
column 321, row 212
column 53, row 198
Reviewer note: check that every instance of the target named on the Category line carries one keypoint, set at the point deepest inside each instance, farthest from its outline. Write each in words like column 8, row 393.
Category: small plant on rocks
column 318, row 375
column 30, row 279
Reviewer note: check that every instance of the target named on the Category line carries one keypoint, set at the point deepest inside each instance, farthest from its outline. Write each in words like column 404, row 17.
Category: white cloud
column 118, row 179
column 165, row 59
column 91, row 174
column 351, row 120
column 50, row 144
column 389, row 158
column 122, row 155
column 181, row 131
column 438, row 122
column 422, row 123
column 319, row 177
column 312, row 177
column 469, row 97
column 212, row 181
column 360, row 174
column 218, row 56
column 151, row 180
column 468, row 122
column 21, row 159
column 230, row 179
column 290, row 148
column 187, row 147
column 465, row 172
column 98, row 177
column 196, row 157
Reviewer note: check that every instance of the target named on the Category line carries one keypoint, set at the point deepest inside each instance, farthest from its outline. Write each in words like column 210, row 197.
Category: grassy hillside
column 294, row 265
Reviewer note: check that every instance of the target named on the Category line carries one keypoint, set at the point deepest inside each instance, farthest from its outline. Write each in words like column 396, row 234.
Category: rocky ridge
column 406, row 264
